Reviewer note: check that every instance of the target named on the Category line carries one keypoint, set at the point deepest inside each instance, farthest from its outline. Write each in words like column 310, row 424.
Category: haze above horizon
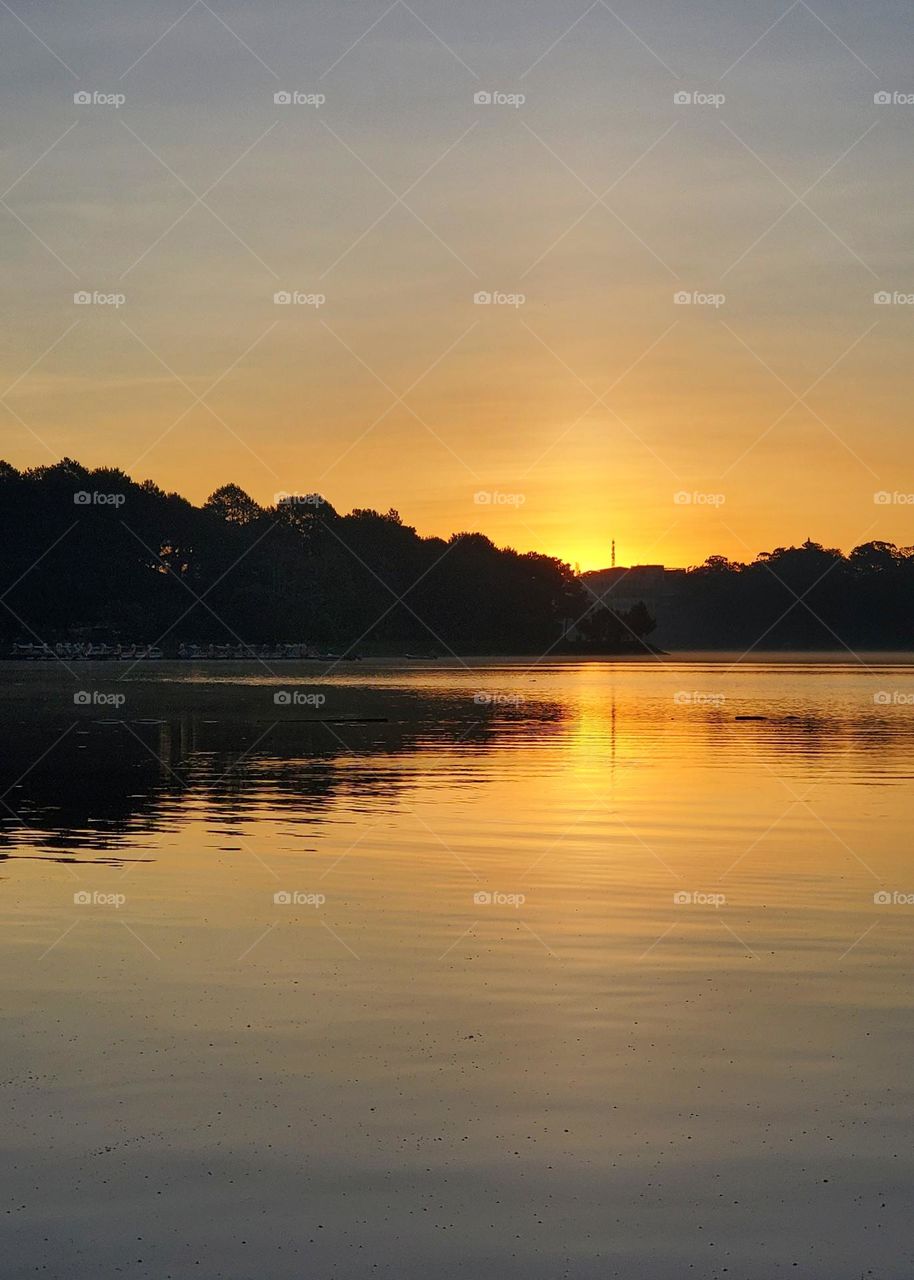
column 562, row 273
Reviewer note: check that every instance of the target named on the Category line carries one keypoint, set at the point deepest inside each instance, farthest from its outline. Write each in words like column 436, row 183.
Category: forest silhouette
column 94, row 553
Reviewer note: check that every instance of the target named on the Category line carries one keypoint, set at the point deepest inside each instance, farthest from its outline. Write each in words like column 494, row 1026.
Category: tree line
column 93, row 553
column 806, row 597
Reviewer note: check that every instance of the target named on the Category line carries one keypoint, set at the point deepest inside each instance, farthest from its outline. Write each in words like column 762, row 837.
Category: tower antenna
column 614, row 553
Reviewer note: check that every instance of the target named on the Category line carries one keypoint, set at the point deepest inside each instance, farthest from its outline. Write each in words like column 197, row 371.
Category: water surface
column 590, row 969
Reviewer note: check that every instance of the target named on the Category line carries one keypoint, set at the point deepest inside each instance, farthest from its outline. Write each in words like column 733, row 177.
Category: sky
column 147, row 166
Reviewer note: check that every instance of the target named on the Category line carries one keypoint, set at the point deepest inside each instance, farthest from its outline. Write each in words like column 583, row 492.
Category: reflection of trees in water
column 107, row 784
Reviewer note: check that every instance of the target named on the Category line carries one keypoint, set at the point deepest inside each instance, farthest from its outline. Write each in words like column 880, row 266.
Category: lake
column 572, row 969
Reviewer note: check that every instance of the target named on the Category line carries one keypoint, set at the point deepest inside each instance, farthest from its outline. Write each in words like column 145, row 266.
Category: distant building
column 620, row 589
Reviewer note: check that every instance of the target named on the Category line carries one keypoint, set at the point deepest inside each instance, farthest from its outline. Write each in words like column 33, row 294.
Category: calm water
column 484, row 1038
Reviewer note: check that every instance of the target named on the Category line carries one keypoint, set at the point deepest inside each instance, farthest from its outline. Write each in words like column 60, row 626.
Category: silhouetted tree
column 150, row 566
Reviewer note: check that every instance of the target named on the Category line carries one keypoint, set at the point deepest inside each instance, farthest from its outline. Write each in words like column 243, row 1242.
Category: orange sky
column 580, row 400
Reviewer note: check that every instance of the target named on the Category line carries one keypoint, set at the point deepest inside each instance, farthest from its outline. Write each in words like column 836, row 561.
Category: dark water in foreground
column 581, row 974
